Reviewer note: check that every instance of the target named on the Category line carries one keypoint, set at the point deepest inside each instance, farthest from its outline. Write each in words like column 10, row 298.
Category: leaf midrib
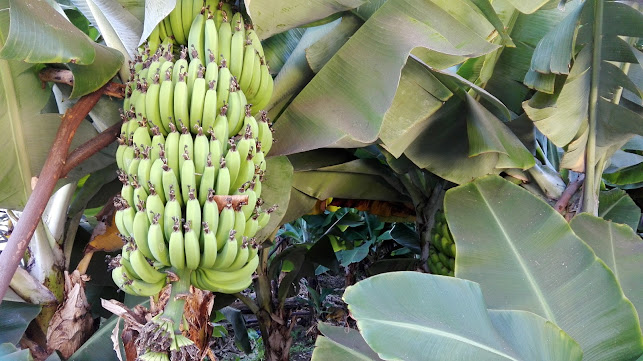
column 532, row 281
column 441, row 333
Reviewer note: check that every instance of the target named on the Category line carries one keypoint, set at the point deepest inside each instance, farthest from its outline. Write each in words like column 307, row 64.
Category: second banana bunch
column 193, row 139
column 442, row 249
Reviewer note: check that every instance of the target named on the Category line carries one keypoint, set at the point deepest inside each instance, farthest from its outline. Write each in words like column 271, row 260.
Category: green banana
column 222, row 185
column 232, row 276
column 193, row 212
column 253, row 89
column 220, row 130
column 193, row 70
column 264, row 94
column 172, row 150
column 181, row 101
column 211, row 39
column 180, row 66
column 201, row 151
column 191, row 246
column 225, row 38
column 147, row 273
column 235, row 110
column 140, row 229
column 208, row 177
column 188, row 178
column 241, row 258
column 166, row 102
column 198, row 101
column 196, row 36
column 226, row 224
column 223, row 85
column 177, row 245
column 209, row 106
column 233, row 163
column 186, row 16
column 209, row 247
column 186, row 145
column 157, row 141
column 239, row 223
column 155, row 205
column 254, row 39
column 236, row 49
column 171, row 183
column 176, row 21
column 227, row 254
column 265, row 133
column 172, row 211
column 248, row 66
column 144, row 168
column 156, row 179
column 210, row 212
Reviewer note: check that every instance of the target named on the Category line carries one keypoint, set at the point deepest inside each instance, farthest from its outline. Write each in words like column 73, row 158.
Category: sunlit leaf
column 359, row 84
column 275, row 16
column 438, row 315
column 525, row 256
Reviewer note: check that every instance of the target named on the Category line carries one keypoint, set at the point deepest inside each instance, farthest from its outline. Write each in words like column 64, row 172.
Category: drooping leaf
column 359, row 84
column 14, row 319
column 155, row 14
column 276, row 16
column 617, row 206
column 446, row 316
column 407, row 237
column 37, row 34
column 341, row 344
column 277, row 48
column 525, row 256
column 619, row 247
column 319, row 53
column 235, row 317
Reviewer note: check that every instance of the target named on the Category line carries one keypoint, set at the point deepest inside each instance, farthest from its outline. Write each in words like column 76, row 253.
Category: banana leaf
column 359, row 84
column 525, row 256
column 275, row 16
column 617, row 206
column 14, row 319
column 619, row 247
column 341, row 344
column 445, row 318
column 275, row 191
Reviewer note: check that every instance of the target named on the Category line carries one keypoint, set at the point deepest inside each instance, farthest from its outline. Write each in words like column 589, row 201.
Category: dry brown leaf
column 72, row 324
column 197, row 310
column 104, row 238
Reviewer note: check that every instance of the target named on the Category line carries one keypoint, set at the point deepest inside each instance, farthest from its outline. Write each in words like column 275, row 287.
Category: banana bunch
column 442, row 249
column 213, row 32
column 191, row 153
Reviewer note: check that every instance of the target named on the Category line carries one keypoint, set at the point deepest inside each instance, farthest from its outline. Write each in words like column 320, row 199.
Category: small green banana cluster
column 213, row 33
column 158, row 341
column 191, row 142
column 442, row 249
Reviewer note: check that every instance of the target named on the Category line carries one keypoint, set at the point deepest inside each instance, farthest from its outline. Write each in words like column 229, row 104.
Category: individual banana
column 191, row 245
column 264, row 94
column 233, row 163
column 252, row 226
column 196, row 36
column 188, row 176
column 222, row 185
column 140, row 195
column 186, row 15
column 209, row 105
column 127, row 191
column 181, row 101
column 264, row 217
column 228, row 253
column 122, row 146
column 147, row 273
column 201, row 151
column 210, row 213
column 265, row 133
column 170, row 184
column 230, row 288
column 186, row 145
column 236, row 48
column 156, row 179
column 225, row 38
column 140, row 227
column 166, row 102
column 255, row 82
column 155, row 205
column 211, row 39
column 250, row 121
column 172, row 210
column 208, row 246
column 141, row 137
column 176, row 245
column 176, row 21
column 154, row 40
column 252, row 36
column 211, row 70
column 139, row 106
column 238, row 22
column 172, row 150
column 252, row 199
column 180, row 66
column 216, row 149
column 226, row 224
column 144, row 169
column 197, row 103
column 152, row 106
column 223, row 85
column 248, row 66
column 239, row 223
column 193, row 212
column 193, row 70
column 235, row 109
column 158, row 140
column 208, row 177
column 242, row 256
column 220, row 130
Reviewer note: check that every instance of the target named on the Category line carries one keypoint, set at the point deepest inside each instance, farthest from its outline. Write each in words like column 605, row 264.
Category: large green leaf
column 275, row 16
column 14, row 319
column 341, row 344
column 416, row 316
column 564, row 115
column 619, row 247
column 358, row 84
column 525, row 256
column 38, row 34
column 277, row 49
column 9, row 352
column 617, row 206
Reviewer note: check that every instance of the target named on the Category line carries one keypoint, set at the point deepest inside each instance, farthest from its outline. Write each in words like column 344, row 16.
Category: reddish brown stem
column 90, row 148
column 51, row 172
column 567, row 194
